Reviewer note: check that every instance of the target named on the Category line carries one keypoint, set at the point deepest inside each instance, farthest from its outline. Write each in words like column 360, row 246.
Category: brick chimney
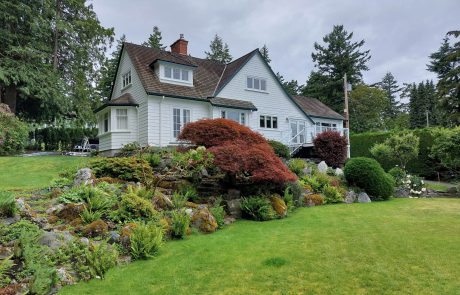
column 180, row 46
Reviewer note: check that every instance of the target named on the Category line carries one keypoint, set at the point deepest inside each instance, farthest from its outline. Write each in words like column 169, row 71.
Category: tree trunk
column 10, row 97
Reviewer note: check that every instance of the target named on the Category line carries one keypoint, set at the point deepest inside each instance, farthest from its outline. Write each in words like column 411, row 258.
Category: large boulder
column 338, row 172
column 71, row 211
column 97, row 228
column 363, row 198
column 234, row 207
column 51, row 239
column 350, row 197
column 162, row 202
column 401, row 192
column 203, row 220
column 84, row 176
column 322, row 167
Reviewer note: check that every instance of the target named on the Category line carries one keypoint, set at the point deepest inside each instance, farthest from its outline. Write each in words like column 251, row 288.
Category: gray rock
column 114, row 237
column 338, row 172
column 306, row 171
column 233, row 194
column 6, row 252
column 84, row 176
column 66, row 277
column 350, row 197
column 322, row 167
column 85, row 241
column 401, row 192
column 165, row 164
column 229, row 220
column 204, row 172
column 189, row 211
column 53, row 209
column 234, row 207
column 50, row 239
column 67, row 237
column 10, row 220
column 21, row 204
column 363, row 198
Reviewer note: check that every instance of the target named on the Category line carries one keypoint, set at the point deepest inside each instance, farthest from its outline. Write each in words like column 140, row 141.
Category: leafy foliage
column 367, row 106
column 193, row 161
column 297, row 165
column 257, row 208
column 61, row 139
column 398, row 174
column 446, row 149
column 133, row 207
column 218, row 51
column 367, row 174
column 237, row 150
column 130, row 169
column 331, row 147
column 281, row 150
column 219, row 214
column 400, row 147
column 100, row 258
column 332, row 195
column 7, row 204
column 422, row 101
column 154, row 40
column 13, row 134
column 146, row 240
column 180, row 221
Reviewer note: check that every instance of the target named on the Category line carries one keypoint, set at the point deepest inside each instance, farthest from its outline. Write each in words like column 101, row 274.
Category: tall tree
column 422, row 104
column 108, row 71
column 391, row 88
column 218, row 51
column 264, row 52
column 367, row 105
column 338, row 56
column 446, row 64
column 292, row 87
column 154, row 39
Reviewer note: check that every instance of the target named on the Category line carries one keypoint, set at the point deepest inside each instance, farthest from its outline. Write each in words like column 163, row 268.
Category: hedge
column 423, row 165
column 55, row 138
column 13, row 134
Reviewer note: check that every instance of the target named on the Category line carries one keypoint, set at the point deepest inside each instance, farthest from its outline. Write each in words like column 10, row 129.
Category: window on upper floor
column 270, row 122
column 258, row 84
column 176, row 74
column 122, row 119
column 237, row 116
column 126, row 79
column 180, row 118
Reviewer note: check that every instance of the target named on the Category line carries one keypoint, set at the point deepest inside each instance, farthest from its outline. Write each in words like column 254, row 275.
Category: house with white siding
column 156, row 92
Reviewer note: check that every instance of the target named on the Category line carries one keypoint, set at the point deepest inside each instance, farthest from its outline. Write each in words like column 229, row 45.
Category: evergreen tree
column 367, row 105
column 338, row 56
column 108, row 71
column 292, row 87
column 154, row 39
column 391, row 88
column 422, row 103
column 264, row 52
column 446, row 64
column 218, row 51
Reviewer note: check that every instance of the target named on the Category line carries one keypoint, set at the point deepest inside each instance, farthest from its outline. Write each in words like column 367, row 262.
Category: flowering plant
column 415, row 184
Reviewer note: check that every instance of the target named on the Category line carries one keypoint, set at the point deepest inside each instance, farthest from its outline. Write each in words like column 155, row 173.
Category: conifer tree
column 391, row 88
column 218, row 51
column 264, row 52
column 154, row 40
column 108, row 71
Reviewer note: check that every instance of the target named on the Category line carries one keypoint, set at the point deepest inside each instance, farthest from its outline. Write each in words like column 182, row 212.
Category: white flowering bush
column 415, row 184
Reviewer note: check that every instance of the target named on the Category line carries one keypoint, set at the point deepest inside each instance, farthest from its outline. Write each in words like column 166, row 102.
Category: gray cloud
column 399, row 34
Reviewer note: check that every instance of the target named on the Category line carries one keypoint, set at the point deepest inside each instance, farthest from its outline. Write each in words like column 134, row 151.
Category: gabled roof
column 124, row 100
column 316, row 108
column 233, row 103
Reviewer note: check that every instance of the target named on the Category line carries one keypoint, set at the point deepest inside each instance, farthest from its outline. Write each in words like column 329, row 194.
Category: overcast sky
column 399, row 33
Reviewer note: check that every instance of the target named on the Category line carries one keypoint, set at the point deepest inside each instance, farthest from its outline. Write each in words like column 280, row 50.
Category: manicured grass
column 402, row 246
column 439, row 186
column 23, row 173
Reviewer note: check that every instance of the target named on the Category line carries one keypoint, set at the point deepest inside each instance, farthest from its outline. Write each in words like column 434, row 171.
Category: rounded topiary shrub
column 367, row 174
column 280, row 149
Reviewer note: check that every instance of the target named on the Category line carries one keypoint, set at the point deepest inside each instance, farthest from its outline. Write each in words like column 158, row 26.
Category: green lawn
column 23, row 173
column 402, row 246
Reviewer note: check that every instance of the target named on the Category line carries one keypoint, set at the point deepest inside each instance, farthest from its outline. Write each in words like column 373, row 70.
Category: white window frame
column 105, row 118
column 241, row 115
column 252, row 81
column 126, row 79
column 119, row 115
column 184, row 75
column 180, row 120
column 268, row 118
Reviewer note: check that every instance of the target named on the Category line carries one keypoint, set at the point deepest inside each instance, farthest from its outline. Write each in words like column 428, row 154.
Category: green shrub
column 179, row 200
column 88, row 216
column 13, row 135
column 153, row 159
column 180, row 221
column 13, row 231
column 297, row 166
column 288, row 198
column 190, row 193
column 132, row 207
column 219, row 214
column 193, row 161
column 5, row 265
column 367, row 174
column 314, row 183
column 281, row 150
column 257, row 208
column 398, row 174
column 146, row 240
column 130, row 169
column 446, row 149
column 400, row 147
column 296, row 189
column 60, row 139
column 332, row 195
column 100, row 258
column 7, row 204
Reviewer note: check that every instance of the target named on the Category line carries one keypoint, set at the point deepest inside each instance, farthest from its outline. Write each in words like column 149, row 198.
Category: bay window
column 236, row 116
column 122, row 119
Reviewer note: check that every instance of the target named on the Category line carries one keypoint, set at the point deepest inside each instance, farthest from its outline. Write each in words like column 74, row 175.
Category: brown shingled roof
column 125, row 99
column 233, row 103
column 315, row 108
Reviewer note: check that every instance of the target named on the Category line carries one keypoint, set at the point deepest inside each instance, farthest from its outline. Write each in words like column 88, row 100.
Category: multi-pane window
column 126, row 77
column 179, row 120
column 256, row 83
column 122, row 119
column 106, row 122
column 239, row 117
column 176, row 74
column 269, row 122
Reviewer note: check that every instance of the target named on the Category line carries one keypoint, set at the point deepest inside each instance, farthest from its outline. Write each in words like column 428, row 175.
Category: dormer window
column 257, row 84
column 126, row 78
column 176, row 74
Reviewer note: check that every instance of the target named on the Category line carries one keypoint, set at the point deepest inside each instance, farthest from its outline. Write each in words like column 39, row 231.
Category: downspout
column 160, row 121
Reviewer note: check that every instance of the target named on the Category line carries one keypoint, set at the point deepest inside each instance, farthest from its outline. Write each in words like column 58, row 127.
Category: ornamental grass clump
column 8, row 206
column 146, row 240
column 257, row 208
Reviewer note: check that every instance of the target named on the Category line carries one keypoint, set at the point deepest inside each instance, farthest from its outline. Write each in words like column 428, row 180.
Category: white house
column 156, row 92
